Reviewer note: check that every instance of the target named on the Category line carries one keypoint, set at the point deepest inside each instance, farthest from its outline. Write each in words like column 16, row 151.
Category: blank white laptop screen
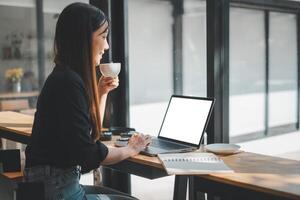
column 185, row 119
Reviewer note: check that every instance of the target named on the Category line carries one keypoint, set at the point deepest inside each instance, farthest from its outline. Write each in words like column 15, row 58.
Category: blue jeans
column 60, row 184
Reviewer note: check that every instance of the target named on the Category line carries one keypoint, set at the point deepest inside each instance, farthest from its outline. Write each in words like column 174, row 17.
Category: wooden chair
column 10, row 160
column 14, row 104
column 10, row 173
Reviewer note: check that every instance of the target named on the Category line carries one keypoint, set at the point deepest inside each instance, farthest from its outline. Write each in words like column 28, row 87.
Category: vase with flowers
column 14, row 76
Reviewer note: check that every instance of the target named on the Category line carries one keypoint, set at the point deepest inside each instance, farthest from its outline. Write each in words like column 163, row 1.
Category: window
column 283, row 64
column 150, row 62
column 246, row 71
column 194, row 48
column 263, row 73
column 167, row 55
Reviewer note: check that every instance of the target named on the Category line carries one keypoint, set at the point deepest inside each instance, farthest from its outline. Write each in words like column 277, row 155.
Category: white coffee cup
column 110, row 69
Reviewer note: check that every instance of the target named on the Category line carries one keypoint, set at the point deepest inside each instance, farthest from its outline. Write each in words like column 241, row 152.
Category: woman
column 70, row 108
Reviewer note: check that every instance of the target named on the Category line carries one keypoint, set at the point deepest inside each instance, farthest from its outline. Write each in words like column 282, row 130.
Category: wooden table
column 18, row 95
column 18, row 101
column 256, row 176
column 15, row 126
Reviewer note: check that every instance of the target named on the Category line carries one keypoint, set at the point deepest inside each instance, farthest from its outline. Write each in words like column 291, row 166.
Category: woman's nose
column 106, row 47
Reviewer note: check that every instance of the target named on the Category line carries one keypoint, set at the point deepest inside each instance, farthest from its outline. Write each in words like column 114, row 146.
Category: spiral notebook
column 193, row 163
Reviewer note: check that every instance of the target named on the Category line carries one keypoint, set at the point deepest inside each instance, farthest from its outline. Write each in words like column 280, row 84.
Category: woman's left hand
column 107, row 84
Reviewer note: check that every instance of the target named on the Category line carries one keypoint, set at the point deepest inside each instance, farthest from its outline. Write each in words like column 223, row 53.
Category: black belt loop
column 46, row 170
column 79, row 168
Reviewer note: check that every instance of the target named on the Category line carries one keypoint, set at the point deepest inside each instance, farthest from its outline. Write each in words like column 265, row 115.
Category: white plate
column 220, row 148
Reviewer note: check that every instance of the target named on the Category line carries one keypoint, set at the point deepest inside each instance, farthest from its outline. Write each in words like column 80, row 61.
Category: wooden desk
column 257, row 176
column 18, row 95
column 17, row 101
column 15, row 126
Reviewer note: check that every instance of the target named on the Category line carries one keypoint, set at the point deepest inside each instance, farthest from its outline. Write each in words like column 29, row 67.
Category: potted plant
column 14, row 76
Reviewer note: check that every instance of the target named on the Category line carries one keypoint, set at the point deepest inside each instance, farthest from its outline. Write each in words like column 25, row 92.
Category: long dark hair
column 73, row 48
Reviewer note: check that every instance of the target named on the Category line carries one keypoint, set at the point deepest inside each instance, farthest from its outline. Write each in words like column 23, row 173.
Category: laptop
column 183, row 126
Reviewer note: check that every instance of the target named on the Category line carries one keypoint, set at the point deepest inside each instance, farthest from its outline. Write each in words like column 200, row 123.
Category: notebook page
column 193, row 163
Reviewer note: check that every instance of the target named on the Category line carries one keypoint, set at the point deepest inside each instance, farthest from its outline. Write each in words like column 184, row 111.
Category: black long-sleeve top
column 62, row 125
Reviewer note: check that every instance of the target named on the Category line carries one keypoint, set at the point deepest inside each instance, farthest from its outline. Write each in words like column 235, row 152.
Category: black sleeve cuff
column 103, row 150
column 90, row 158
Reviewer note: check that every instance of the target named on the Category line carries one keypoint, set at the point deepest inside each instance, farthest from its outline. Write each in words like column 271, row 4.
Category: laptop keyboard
column 165, row 144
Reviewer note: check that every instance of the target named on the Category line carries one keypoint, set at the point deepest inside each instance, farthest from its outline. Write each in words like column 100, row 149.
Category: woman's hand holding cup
column 107, row 84
column 109, row 79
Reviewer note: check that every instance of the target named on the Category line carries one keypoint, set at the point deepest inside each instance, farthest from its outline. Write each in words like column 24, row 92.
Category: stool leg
column 19, row 146
column 3, row 143
column 180, row 187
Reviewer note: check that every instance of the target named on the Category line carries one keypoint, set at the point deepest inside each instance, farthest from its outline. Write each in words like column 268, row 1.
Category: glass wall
column 263, row 72
column 151, row 58
column 246, row 71
column 150, row 62
column 167, row 55
column 283, row 61
column 150, row 71
column 194, row 48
